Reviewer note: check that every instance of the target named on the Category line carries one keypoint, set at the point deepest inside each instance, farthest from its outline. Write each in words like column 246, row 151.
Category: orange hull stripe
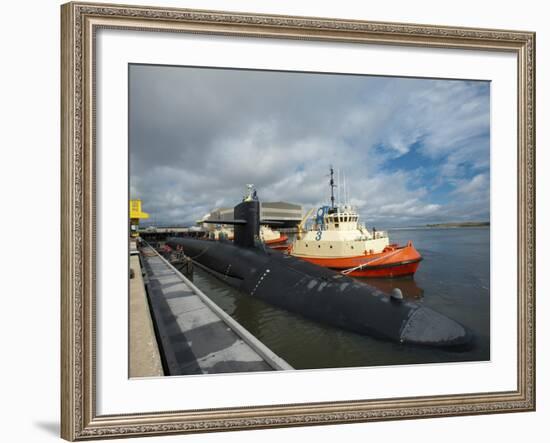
column 405, row 254
column 281, row 239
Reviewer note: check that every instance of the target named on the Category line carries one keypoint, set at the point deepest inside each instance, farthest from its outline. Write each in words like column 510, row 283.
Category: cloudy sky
column 413, row 151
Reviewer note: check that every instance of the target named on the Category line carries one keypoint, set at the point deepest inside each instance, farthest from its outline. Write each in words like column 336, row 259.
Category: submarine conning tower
column 246, row 234
column 246, row 220
column 313, row 291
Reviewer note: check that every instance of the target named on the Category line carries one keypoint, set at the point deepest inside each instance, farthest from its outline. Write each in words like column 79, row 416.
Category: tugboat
column 338, row 241
column 272, row 238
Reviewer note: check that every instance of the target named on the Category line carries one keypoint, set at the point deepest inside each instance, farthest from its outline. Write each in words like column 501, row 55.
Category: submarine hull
column 322, row 294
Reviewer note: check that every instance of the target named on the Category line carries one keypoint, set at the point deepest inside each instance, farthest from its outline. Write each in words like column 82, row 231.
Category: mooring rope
column 368, row 263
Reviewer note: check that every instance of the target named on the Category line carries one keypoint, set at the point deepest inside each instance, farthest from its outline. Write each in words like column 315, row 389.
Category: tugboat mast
column 332, row 187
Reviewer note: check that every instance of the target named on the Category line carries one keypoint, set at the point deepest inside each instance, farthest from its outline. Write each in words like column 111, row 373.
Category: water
column 453, row 279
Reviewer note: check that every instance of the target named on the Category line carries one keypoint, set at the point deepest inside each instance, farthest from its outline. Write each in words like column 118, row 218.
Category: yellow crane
column 136, row 214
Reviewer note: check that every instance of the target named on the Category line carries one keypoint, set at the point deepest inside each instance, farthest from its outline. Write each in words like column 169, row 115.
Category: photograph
column 290, row 220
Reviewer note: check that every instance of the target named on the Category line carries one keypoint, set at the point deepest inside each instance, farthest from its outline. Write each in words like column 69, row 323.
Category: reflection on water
column 453, row 278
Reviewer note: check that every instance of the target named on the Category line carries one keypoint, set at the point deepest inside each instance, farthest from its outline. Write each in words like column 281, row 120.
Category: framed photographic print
column 282, row 221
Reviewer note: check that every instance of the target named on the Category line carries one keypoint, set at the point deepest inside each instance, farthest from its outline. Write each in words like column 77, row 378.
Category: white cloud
column 477, row 185
column 197, row 136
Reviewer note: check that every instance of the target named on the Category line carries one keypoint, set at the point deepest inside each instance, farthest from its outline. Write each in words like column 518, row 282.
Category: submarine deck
column 195, row 335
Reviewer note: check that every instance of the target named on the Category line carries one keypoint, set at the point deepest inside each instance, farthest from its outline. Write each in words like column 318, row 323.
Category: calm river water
column 453, row 278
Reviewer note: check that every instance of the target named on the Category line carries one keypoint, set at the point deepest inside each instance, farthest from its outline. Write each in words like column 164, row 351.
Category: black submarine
column 315, row 292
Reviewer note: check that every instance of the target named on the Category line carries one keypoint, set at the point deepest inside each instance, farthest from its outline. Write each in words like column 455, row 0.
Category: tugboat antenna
column 338, row 201
column 332, row 187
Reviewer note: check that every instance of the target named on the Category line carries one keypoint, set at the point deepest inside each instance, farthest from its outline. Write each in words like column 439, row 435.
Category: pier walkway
column 195, row 335
column 145, row 358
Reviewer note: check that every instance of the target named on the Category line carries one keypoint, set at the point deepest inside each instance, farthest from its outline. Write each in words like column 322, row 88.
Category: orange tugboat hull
column 281, row 239
column 280, row 247
column 394, row 261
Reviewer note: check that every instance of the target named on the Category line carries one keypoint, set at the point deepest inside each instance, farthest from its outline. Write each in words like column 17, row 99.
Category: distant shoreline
column 458, row 225
column 449, row 225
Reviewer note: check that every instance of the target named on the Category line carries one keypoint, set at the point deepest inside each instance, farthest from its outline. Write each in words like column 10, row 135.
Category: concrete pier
column 195, row 335
column 144, row 353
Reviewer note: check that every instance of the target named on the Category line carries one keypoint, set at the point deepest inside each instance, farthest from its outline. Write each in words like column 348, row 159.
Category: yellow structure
column 135, row 216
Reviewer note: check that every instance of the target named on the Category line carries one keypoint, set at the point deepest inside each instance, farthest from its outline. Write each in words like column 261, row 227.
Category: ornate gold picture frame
column 80, row 22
